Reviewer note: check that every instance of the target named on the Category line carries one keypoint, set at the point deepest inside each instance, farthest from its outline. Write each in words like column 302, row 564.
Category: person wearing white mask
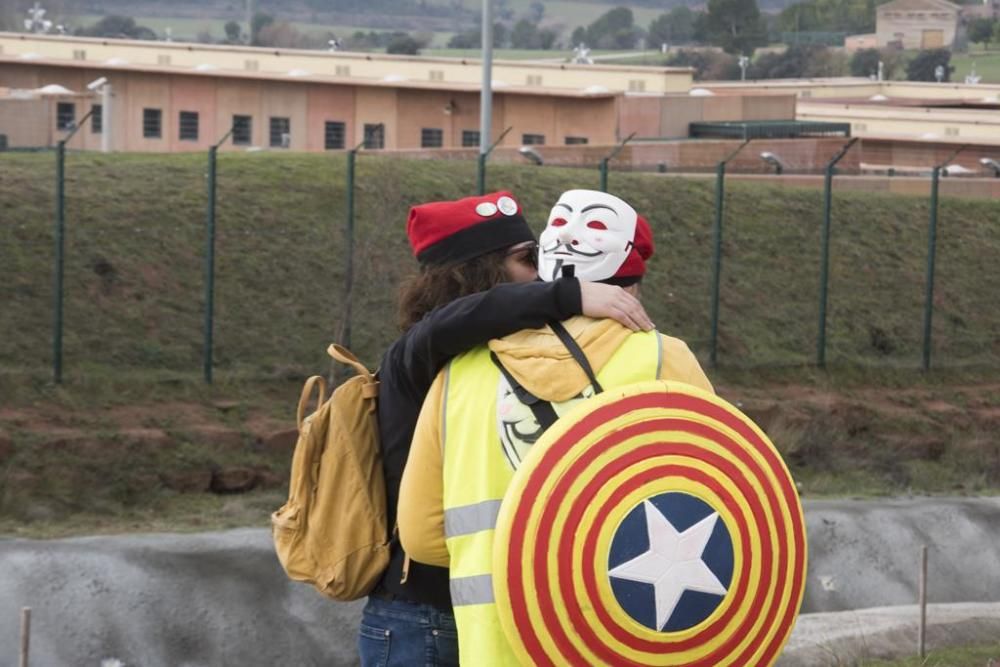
column 488, row 406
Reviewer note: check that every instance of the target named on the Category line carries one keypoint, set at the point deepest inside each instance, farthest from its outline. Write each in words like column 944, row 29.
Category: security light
column 774, row 161
column 990, row 163
column 531, row 154
column 97, row 83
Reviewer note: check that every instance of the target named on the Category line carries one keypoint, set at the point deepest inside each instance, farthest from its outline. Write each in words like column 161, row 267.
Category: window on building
column 636, row 86
column 79, row 54
column 334, row 133
column 281, row 132
column 188, row 123
column 470, row 138
column 342, row 70
column 97, row 119
column 65, row 115
column 242, row 130
column 431, row 137
column 574, row 141
column 152, row 123
column 534, row 79
column 532, row 139
column 374, row 135
column 436, row 75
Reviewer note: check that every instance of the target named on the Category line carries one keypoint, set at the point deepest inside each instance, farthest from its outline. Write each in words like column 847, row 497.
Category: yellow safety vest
column 477, row 474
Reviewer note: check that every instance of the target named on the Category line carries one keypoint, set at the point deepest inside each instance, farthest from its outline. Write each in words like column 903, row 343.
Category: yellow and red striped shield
column 652, row 525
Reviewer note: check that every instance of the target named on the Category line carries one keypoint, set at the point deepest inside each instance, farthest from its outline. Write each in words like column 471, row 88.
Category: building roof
column 300, row 76
column 911, row 5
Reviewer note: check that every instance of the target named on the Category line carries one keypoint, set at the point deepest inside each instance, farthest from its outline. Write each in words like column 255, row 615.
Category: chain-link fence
column 136, row 240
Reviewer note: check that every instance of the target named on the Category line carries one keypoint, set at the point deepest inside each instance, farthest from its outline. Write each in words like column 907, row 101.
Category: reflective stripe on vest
column 476, row 475
column 471, row 518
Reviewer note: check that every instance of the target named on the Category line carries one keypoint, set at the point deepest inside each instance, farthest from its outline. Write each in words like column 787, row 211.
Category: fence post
column 349, row 234
column 720, row 197
column 208, row 344
column 483, row 156
column 922, row 598
column 57, row 331
column 824, row 271
column 25, row 635
column 931, row 253
column 60, row 251
column 603, row 167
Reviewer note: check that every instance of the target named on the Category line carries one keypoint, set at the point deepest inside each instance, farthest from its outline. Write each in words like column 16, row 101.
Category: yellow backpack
column 332, row 532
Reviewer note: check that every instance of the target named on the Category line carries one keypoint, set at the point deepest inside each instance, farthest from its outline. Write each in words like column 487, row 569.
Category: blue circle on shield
column 671, row 562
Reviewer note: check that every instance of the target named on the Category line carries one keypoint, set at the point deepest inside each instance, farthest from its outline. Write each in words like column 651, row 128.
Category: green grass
column 136, row 236
column 134, row 322
column 987, row 65
column 969, row 656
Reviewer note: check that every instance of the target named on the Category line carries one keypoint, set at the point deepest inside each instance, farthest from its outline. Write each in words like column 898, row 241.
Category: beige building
column 898, row 110
column 178, row 97
column 917, row 24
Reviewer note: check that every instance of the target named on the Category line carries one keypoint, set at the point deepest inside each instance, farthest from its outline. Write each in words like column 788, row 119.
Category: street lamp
column 990, row 163
column 531, row 154
column 774, row 161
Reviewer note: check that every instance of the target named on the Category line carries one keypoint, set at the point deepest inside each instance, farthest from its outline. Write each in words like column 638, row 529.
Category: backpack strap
column 577, row 353
column 544, row 413
column 345, row 356
column 304, row 398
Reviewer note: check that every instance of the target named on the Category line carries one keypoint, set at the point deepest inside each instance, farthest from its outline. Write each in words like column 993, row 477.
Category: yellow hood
column 542, row 364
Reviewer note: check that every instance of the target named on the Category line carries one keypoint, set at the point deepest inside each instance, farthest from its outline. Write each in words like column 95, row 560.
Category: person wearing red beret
column 477, row 281
column 489, row 405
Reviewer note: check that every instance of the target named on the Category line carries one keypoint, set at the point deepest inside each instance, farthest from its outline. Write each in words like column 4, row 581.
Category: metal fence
column 252, row 263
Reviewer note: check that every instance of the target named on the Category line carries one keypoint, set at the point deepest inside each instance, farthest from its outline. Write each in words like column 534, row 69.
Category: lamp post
column 207, row 345
column 610, row 156
column 60, row 250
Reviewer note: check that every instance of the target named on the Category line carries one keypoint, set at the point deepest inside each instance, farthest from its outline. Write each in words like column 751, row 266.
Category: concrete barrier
column 222, row 599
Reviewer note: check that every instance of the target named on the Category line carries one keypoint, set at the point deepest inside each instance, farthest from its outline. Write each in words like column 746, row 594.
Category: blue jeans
column 405, row 634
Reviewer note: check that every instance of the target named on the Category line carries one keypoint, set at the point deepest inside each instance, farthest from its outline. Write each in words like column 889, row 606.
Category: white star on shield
column 673, row 563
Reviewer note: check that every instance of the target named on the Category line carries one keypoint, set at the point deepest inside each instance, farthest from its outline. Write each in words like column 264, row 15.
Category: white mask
column 590, row 230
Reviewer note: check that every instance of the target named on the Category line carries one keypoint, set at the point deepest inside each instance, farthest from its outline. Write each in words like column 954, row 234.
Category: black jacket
column 410, row 366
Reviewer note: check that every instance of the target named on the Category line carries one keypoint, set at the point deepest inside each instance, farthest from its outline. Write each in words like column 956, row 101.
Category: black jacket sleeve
column 473, row 320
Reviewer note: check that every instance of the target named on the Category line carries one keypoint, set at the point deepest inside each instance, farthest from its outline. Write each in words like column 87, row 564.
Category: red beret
column 450, row 232
column 642, row 249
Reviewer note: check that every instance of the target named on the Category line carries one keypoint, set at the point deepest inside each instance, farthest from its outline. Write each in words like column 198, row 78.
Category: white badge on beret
column 486, row 208
column 590, row 230
column 507, row 205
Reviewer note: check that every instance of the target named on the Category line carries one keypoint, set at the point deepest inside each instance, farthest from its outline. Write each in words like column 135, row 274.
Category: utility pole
column 486, row 93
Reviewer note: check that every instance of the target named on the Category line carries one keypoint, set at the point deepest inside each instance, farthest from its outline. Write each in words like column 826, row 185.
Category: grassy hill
column 133, row 430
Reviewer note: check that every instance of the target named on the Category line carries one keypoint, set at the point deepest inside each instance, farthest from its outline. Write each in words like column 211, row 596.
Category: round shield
column 651, row 525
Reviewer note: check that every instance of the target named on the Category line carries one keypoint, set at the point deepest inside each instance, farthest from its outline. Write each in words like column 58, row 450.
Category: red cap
column 449, row 232
column 642, row 249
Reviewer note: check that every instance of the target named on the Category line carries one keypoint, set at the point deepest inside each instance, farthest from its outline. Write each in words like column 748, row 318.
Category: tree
column 853, row 16
column 403, row 45
column 980, row 30
column 467, row 39
column 675, row 27
column 924, row 66
column 865, row 62
column 115, row 25
column 797, row 62
column 259, row 21
column 234, row 33
column 524, row 35
column 579, row 36
column 736, row 25
column 615, row 29
column 536, row 11
column 707, row 65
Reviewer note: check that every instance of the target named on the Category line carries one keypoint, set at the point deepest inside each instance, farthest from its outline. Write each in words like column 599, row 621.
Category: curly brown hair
column 436, row 286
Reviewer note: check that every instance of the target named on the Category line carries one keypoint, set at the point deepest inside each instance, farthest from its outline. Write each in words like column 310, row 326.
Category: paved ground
column 222, row 599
